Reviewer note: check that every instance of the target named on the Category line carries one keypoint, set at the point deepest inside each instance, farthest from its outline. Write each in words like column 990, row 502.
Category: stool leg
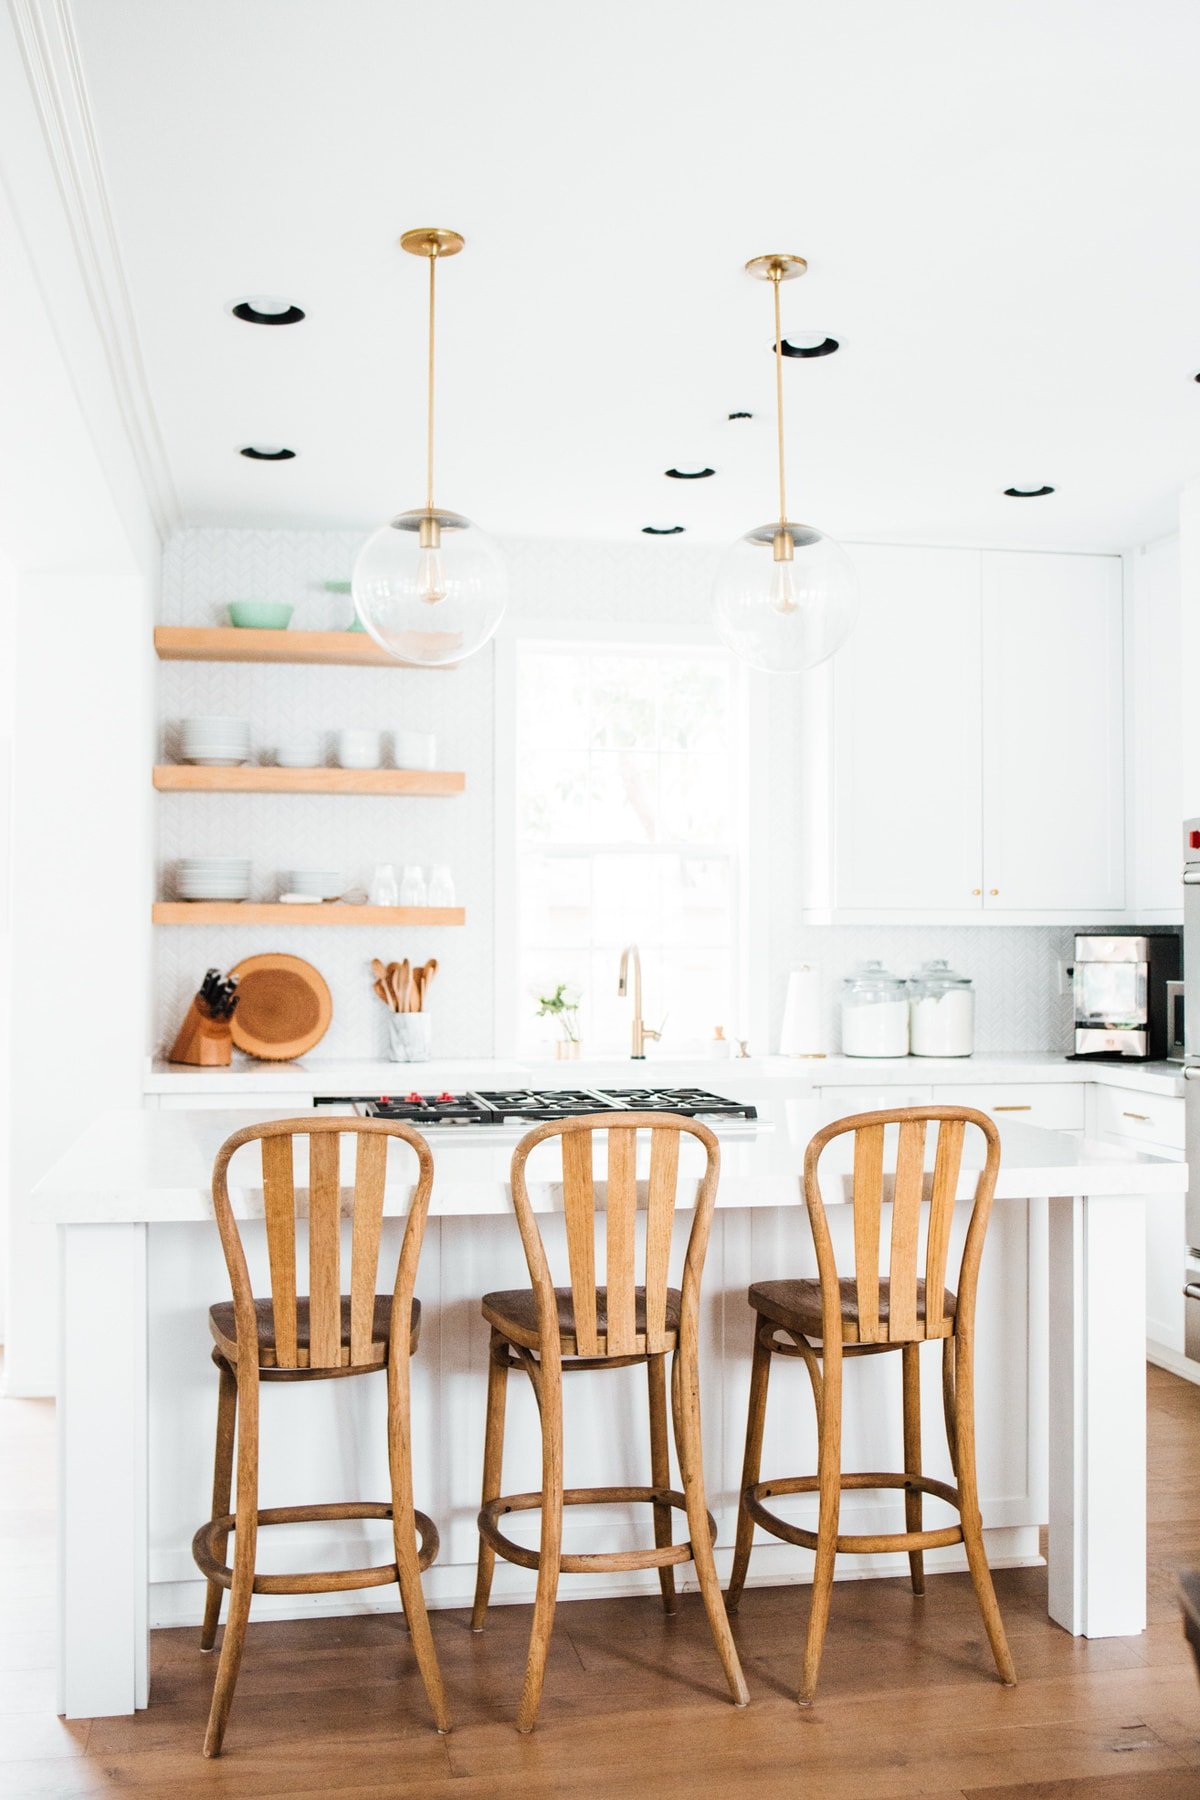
column 760, row 1372
column 404, row 1536
column 660, row 1468
column 493, row 1460
column 829, row 1473
column 549, row 1393
column 245, row 1541
column 222, row 1488
column 972, row 1520
column 948, row 1400
column 686, row 1393
column 911, row 1359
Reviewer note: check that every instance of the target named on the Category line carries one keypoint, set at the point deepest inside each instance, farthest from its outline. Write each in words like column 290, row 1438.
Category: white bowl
column 323, row 884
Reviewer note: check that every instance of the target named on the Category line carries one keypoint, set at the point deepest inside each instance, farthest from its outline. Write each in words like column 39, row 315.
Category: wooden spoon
column 384, row 994
column 400, row 985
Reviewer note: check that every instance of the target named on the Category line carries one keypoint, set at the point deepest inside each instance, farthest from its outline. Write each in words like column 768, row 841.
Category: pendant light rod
column 775, row 280
column 431, row 242
column 777, row 269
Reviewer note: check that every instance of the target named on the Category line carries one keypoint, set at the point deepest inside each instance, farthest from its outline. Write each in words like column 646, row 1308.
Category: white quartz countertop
column 315, row 1075
column 154, row 1166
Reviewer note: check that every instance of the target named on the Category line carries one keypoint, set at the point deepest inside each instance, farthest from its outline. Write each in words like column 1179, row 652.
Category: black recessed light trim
column 746, row 415
column 257, row 455
column 688, row 474
column 825, row 348
column 244, row 311
column 663, row 530
column 1027, row 493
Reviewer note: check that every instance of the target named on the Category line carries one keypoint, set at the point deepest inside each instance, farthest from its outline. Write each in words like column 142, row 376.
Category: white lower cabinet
column 1154, row 1123
column 1059, row 1106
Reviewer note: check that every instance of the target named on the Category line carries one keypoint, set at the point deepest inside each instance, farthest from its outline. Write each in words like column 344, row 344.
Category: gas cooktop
column 518, row 1106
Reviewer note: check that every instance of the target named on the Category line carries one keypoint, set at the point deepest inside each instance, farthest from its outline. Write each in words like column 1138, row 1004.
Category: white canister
column 358, row 749
column 874, row 1012
column 411, row 1036
column 941, row 1011
column 415, row 750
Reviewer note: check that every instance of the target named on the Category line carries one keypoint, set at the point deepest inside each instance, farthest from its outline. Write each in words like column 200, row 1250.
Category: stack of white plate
column 314, row 884
column 213, row 878
column 216, row 743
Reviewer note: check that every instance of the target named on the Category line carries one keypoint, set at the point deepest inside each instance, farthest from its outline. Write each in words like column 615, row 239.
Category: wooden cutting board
column 284, row 1007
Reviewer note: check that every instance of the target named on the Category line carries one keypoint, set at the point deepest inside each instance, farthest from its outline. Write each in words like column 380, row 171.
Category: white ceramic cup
column 415, row 750
column 358, row 749
column 301, row 751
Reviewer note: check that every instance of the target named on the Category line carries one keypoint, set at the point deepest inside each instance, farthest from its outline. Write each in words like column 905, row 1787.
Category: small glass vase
column 567, row 1049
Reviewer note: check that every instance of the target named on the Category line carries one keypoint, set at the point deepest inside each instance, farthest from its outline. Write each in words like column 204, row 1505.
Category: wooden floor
column 635, row 1705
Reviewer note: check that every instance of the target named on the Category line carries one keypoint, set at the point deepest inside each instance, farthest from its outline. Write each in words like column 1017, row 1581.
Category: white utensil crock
column 411, row 1036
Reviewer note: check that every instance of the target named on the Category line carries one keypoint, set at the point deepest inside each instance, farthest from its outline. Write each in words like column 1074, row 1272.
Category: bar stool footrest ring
column 878, row 1543
column 593, row 1562
column 328, row 1581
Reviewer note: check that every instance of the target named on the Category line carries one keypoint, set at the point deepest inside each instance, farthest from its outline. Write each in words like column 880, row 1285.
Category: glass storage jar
column 941, row 1011
column 874, row 1012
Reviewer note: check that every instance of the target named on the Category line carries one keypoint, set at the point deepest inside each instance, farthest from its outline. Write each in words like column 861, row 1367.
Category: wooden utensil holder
column 206, row 1042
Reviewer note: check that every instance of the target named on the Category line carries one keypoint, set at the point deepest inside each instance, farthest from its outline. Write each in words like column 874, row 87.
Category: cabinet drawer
column 840, row 1102
column 1144, row 1118
column 1057, row 1105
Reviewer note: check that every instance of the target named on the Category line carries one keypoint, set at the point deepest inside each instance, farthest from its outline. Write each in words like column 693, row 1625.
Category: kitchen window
column 627, row 765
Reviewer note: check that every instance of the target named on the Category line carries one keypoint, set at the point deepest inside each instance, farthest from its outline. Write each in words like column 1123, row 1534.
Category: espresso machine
column 1120, row 992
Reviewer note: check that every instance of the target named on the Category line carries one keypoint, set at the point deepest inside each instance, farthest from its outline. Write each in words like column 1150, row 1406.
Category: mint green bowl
column 260, row 615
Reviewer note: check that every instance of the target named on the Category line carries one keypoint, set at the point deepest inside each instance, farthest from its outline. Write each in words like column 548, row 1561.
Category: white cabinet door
column 906, row 747
column 1053, row 763
column 1156, row 734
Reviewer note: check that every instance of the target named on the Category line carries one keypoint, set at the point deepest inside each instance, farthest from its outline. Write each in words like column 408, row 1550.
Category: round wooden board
column 284, row 1007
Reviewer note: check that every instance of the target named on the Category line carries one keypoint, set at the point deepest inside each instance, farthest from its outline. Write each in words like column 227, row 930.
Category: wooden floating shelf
column 187, row 778
column 228, row 643
column 254, row 912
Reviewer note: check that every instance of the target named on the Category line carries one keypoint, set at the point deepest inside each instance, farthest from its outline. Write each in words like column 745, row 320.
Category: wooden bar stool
column 605, row 1327
column 316, row 1337
column 826, row 1320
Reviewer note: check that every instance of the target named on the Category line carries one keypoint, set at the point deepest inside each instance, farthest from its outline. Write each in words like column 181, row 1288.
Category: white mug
column 358, row 749
column 416, row 750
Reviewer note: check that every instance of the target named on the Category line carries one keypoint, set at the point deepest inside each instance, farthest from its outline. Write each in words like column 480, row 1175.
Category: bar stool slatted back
column 321, row 1335
column 611, row 1325
column 895, row 1300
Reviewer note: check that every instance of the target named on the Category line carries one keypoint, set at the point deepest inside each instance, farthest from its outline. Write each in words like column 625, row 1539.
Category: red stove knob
column 385, row 1099
column 449, row 1097
column 413, row 1099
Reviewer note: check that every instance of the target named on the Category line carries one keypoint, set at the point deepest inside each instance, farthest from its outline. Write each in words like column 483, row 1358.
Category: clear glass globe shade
column 785, row 615
column 432, row 595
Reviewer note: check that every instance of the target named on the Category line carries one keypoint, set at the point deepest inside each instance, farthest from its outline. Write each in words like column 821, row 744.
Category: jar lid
column 871, row 981
column 936, row 976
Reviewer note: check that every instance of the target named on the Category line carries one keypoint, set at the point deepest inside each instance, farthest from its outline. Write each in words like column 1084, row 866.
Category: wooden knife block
column 205, row 1042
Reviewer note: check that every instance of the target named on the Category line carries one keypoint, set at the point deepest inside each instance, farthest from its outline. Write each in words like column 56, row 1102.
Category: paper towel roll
column 801, row 1034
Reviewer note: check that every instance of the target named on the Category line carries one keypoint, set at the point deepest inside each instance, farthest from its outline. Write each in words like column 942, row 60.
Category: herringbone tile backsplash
column 1015, row 969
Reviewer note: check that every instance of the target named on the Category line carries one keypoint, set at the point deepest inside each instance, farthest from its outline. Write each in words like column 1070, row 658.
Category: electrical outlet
column 1066, row 977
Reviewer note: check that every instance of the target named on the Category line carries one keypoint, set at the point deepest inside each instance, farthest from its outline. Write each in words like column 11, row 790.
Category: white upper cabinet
column 965, row 750
column 1156, row 731
column 906, row 745
column 1053, row 734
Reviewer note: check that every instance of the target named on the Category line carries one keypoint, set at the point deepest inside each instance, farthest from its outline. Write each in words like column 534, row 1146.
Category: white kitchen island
column 1061, row 1379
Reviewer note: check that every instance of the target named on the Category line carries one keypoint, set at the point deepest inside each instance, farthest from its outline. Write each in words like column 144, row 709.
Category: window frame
column 751, row 911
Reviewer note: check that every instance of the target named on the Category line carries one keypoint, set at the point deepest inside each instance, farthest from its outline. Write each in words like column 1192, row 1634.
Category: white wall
column 1015, row 968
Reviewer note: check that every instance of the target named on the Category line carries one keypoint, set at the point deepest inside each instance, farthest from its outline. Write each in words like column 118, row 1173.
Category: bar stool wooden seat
column 315, row 1337
column 824, row 1321
column 610, row 1326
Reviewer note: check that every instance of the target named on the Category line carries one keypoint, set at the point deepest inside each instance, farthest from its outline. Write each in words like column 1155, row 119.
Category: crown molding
column 53, row 68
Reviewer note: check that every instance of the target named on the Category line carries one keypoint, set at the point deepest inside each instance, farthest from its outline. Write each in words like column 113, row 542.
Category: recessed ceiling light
column 662, row 530
column 266, row 453
column 266, row 309
column 1027, row 493
column 688, row 474
column 813, row 346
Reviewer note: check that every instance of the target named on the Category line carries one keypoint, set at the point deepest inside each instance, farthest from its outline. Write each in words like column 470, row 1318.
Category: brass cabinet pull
column 1026, row 1108
column 1142, row 1118
column 977, row 890
column 993, row 891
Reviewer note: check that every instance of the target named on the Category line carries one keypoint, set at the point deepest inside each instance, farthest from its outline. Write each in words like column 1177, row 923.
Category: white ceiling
column 997, row 201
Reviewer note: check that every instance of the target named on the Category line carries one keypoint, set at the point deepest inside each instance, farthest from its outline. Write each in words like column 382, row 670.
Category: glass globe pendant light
column 429, row 586
column 785, row 596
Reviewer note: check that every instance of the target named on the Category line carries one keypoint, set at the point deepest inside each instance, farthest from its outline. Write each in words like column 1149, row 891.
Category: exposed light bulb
column 783, row 589
column 431, row 576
